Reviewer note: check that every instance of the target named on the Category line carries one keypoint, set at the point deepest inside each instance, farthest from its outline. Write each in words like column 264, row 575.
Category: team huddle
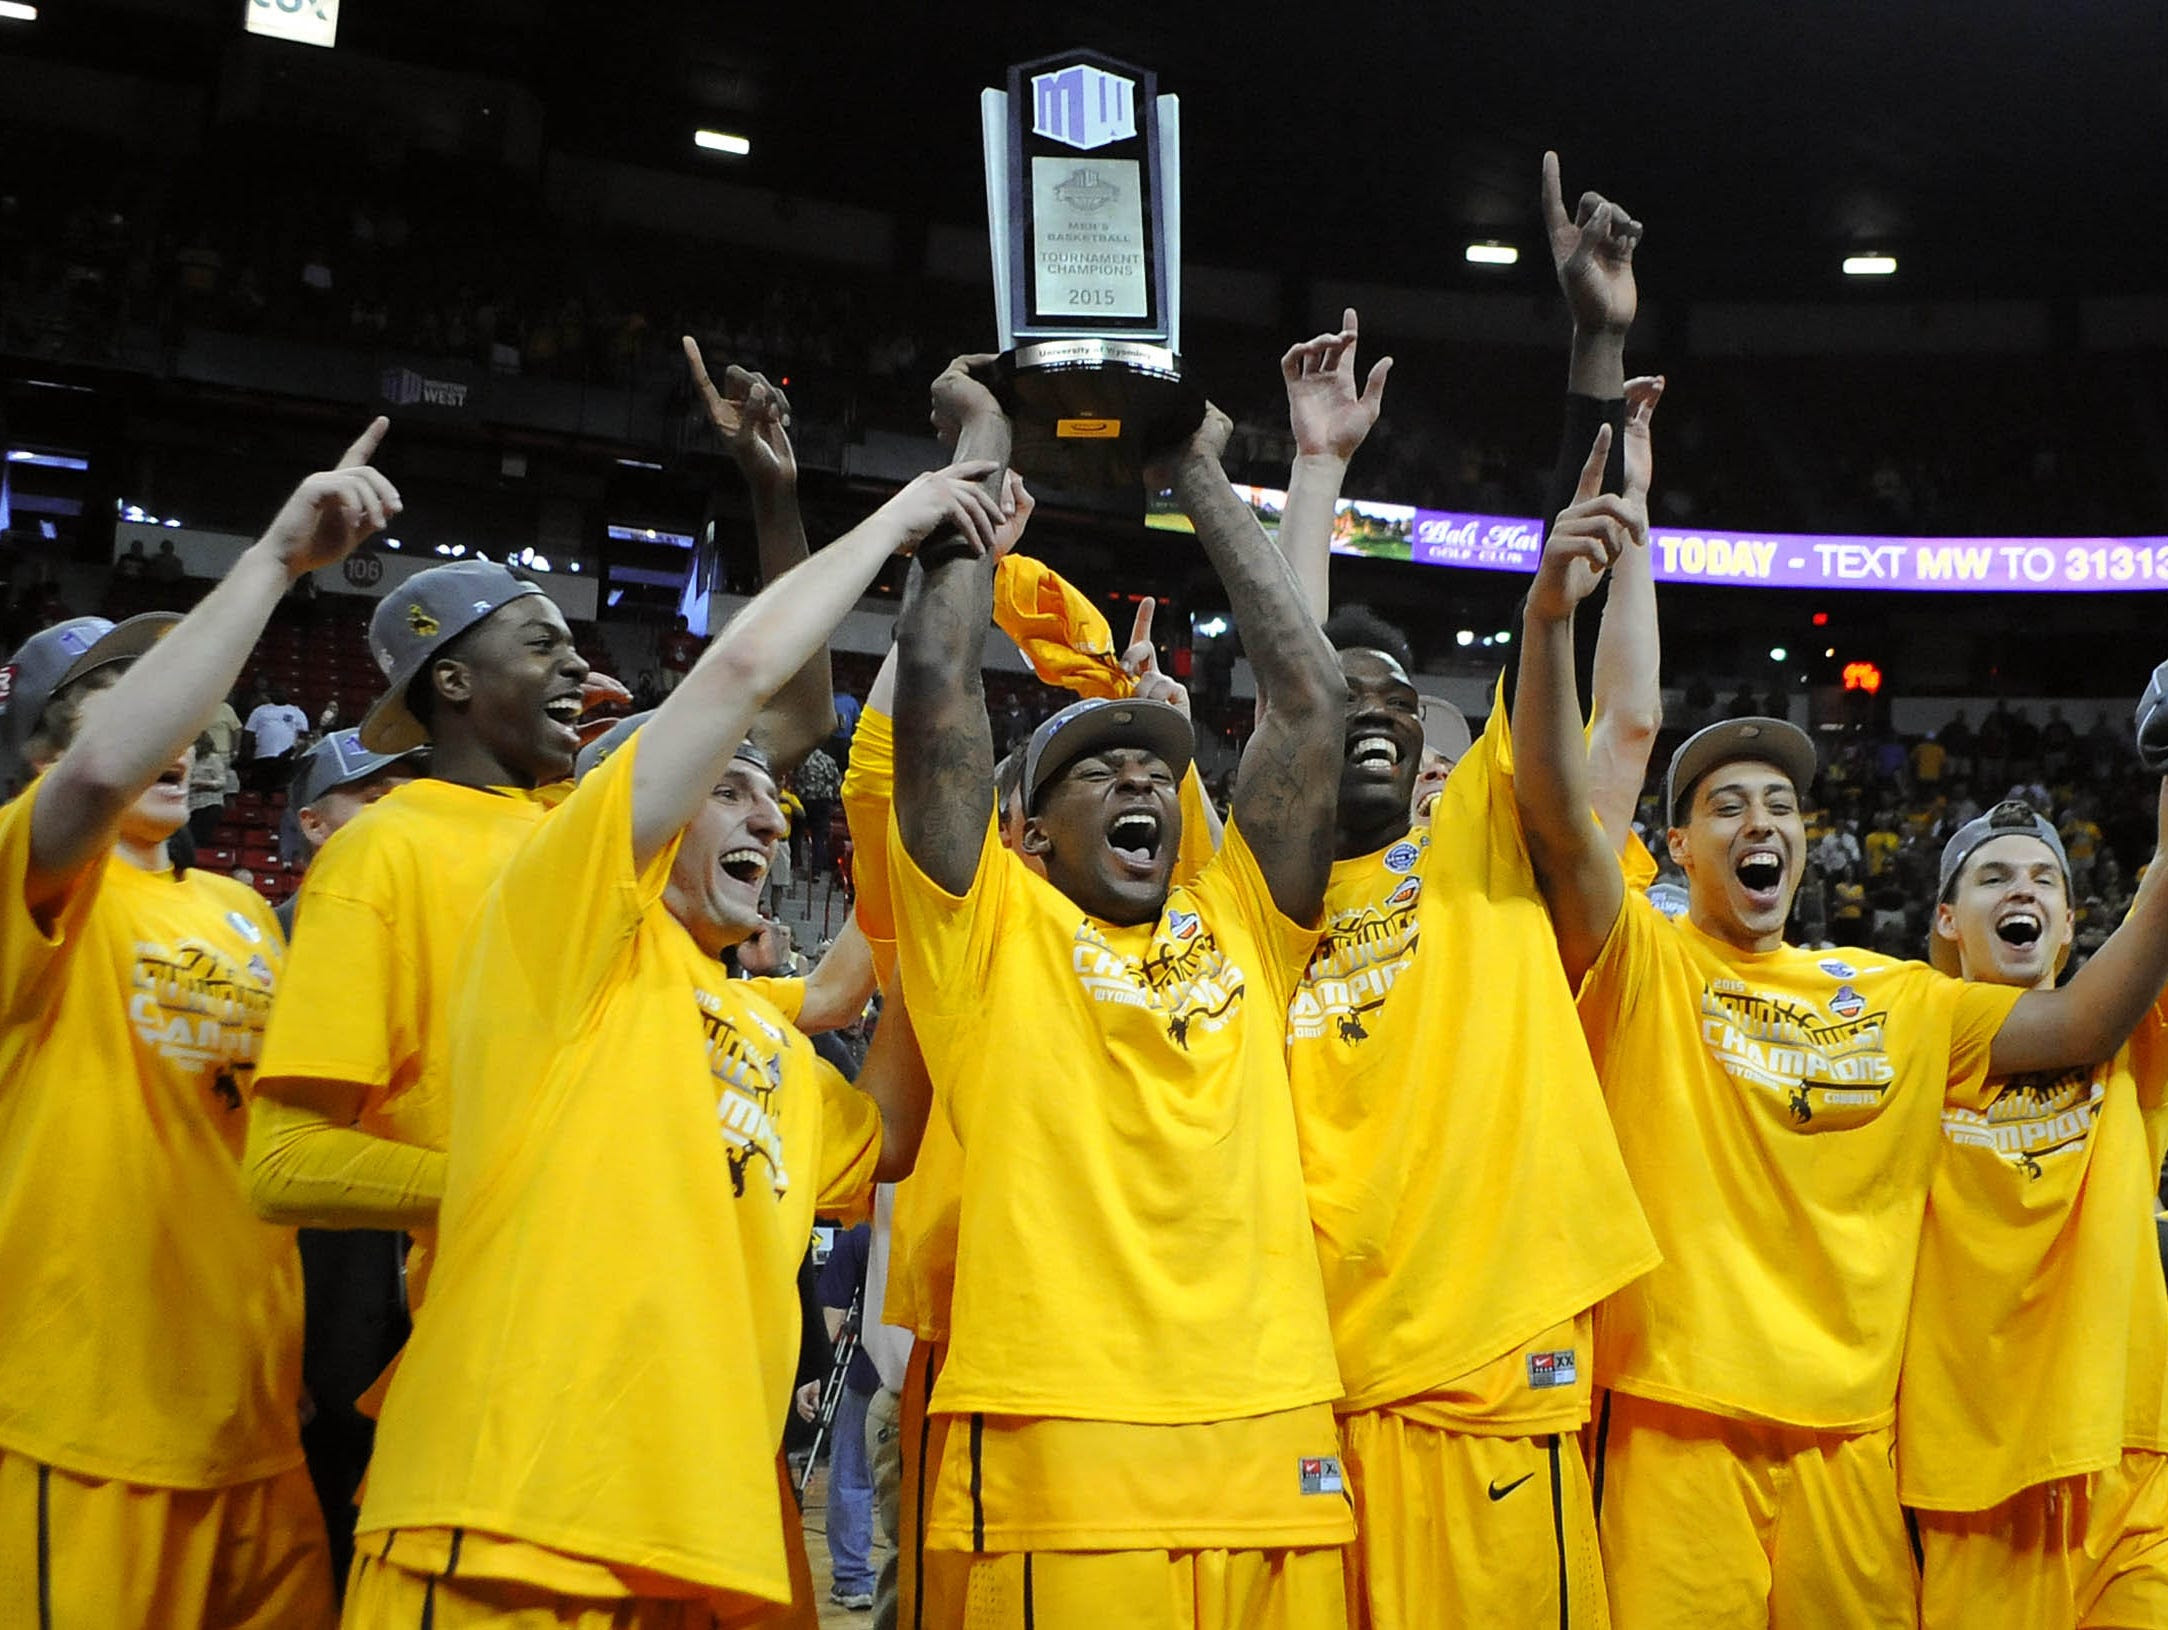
column 1371, row 1211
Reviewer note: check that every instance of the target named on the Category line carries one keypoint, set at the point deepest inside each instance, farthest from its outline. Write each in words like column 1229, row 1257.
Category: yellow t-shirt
column 150, row 1323
column 922, row 1230
column 2039, row 1340
column 1464, row 1184
column 1132, row 1243
column 1879, row 848
column 1778, row 1114
column 385, row 907
column 638, row 1147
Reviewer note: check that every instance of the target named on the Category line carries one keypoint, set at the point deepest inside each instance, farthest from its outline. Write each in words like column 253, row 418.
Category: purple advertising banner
column 1773, row 560
column 1785, row 560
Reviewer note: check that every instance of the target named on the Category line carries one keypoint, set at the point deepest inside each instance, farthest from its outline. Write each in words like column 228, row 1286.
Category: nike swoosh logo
column 1497, row 1493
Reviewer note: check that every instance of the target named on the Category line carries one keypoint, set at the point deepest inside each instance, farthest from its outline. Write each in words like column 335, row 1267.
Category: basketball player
column 1176, row 1463
column 2031, row 1439
column 923, row 1233
column 1778, row 1111
column 350, row 1126
column 584, row 1430
column 150, row 1462
column 1443, row 1090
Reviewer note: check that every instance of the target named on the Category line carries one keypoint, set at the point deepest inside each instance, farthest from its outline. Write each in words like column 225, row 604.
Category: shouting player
column 2032, row 1420
column 150, row 1370
column 1109, row 1052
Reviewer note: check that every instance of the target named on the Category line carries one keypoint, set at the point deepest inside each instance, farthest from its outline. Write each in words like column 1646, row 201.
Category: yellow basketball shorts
column 929, row 1584
column 2080, row 1553
column 82, row 1553
column 1455, row 1528
column 1150, row 1590
column 1716, row 1523
column 384, row 1596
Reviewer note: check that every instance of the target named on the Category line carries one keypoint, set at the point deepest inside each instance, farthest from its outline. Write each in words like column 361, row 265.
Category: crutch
column 832, row 1388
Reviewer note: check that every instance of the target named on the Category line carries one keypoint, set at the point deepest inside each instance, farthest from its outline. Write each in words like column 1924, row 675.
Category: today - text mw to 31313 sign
column 1772, row 560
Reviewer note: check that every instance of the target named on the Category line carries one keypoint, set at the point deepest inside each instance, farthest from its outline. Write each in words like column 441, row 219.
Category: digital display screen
column 1772, row 560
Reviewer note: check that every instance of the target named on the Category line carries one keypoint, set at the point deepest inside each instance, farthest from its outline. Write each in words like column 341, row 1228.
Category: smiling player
column 351, row 1121
column 1442, row 1089
column 2032, row 1420
column 150, row 1366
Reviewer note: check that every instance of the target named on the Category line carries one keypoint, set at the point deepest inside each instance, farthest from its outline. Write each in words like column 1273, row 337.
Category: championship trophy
column 1084, row 209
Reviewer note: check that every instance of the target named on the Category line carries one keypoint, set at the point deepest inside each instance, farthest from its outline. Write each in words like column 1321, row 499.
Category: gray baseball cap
column 1771, row 741
column 339, row 760
column 56, row 657
column 416, row 621
column 2153, row 722
column 2009, row 818
column 1445, row 729
column 596, row 752
column 1096, row 722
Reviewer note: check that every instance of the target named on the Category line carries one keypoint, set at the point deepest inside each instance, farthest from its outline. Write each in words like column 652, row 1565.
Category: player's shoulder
column 364, row 847
column 1856, row 962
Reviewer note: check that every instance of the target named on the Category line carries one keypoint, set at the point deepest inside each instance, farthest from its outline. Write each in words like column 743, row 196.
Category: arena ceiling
column 2006, row 147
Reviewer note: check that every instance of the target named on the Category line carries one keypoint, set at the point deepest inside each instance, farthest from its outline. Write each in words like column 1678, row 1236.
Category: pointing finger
column 1140, row 632
column 365, row 444
column 1554, row 203
column 1591, row 482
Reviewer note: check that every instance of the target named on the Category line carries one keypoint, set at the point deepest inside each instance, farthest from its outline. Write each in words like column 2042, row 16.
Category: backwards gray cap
column 56, row 657
column 597, row 752
column 1445, row 729
column 2153, row 723
column 2006, row 819
column 339, row 760
column 1098, row 721
column 416, row 621
column 1772, row 741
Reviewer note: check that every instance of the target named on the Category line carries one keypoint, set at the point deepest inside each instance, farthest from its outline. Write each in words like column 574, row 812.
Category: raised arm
column 1330, row 419
column 157, row 709
column 685, row 747
column 753, row 419
column 1289, row 783
column 944, row 741
column 1575, row 863
column 1629, row 696
column 1592, row 253
column 2094, row 1014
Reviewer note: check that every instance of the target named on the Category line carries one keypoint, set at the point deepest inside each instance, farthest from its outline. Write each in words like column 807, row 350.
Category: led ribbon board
column 1770, row 560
